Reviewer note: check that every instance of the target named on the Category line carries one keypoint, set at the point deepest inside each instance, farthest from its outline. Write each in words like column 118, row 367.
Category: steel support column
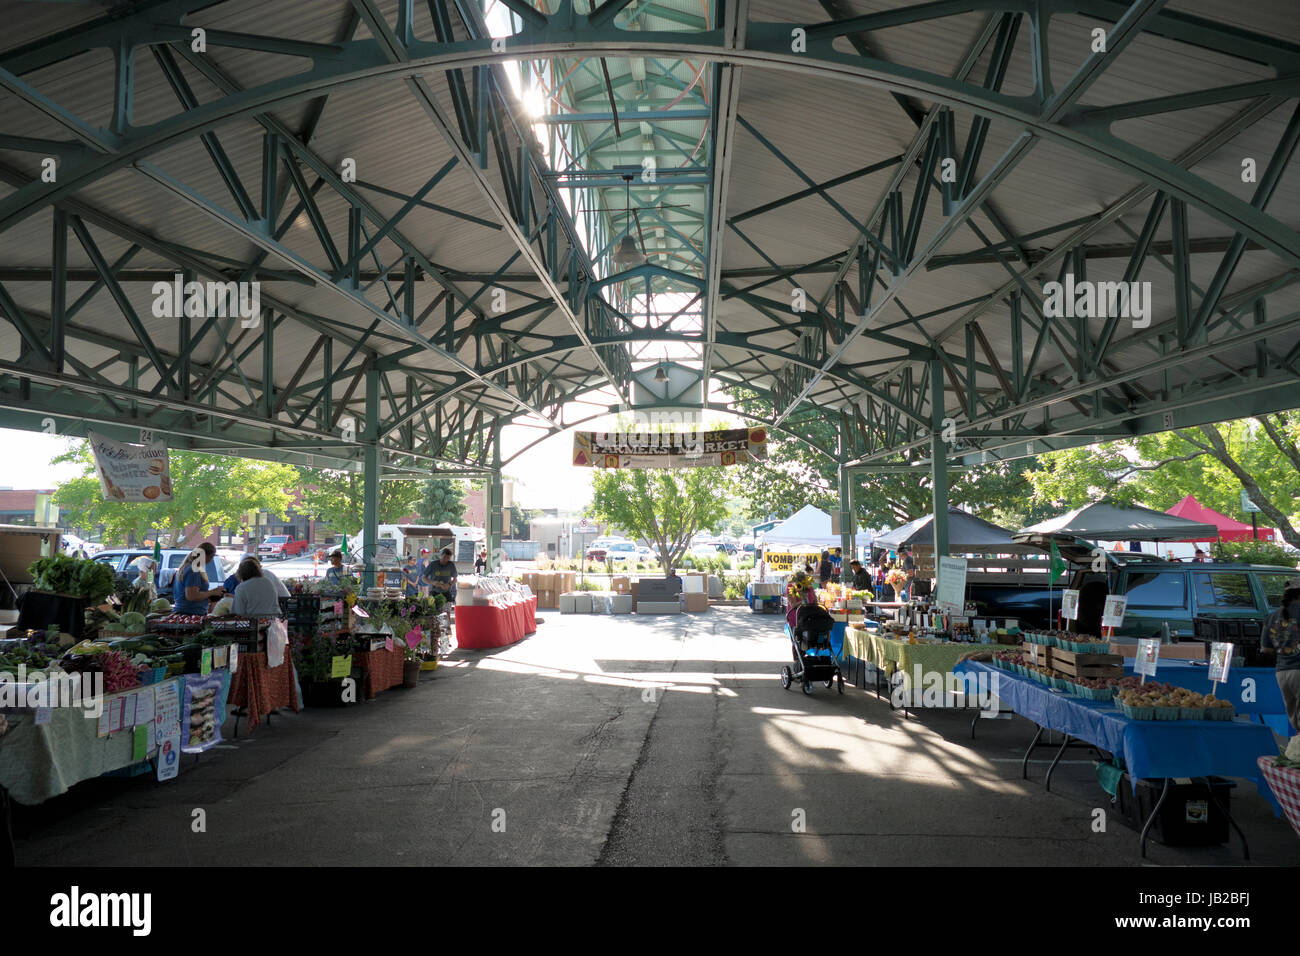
column 938, row 467
column 370, row 510
column 494, row 516
column 847, row 530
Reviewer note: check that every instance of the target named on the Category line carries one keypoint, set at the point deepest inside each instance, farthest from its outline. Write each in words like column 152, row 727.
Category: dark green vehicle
column 1177, row 592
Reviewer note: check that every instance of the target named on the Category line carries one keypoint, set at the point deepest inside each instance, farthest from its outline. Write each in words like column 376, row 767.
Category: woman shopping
column 191, row 592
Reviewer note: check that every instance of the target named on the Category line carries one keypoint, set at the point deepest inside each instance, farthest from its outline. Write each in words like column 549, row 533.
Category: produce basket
column 1220, row 713
column 1138, row 713
column 1166, row 713
column 1191, row 713
column 152, row 675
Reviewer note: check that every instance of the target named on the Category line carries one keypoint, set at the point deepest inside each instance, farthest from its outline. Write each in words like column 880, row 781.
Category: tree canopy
column 796, row 474
column 1212, row 462
column 338, row 497
column 207, row 491
column 666, row 507
column 442, row 501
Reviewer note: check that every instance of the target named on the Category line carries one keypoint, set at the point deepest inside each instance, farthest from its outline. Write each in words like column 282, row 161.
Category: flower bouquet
column 896, row 579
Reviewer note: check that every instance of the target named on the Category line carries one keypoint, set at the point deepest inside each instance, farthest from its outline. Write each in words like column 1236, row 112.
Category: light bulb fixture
column 627, row 255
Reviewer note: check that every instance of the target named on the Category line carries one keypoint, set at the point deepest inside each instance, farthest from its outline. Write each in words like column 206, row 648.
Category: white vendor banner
column 131, row 472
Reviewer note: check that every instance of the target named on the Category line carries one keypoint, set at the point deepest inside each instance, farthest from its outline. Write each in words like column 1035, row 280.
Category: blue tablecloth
column 1267, row 702
column 1175, row 748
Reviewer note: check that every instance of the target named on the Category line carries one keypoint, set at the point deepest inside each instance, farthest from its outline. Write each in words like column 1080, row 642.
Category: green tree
column 1213, row 462
column 666, row 507
column 338, row 498
column 207, row 491
column 442, row 501
column 796, row 474
column 521, row 522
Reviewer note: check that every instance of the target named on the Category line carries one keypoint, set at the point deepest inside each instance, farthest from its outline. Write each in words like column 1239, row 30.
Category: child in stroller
column 810, row 644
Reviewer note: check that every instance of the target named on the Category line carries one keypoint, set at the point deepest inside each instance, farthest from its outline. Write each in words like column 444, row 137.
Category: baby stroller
column 810, row 643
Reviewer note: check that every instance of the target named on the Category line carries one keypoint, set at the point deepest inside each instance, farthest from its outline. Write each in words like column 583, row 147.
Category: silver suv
column 125, row 564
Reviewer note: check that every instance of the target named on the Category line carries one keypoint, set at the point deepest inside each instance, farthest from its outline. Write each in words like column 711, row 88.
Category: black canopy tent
column 967, row 534
column 1107, row 521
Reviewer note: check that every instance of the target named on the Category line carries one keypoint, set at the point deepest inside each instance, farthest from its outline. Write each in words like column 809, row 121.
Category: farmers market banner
column 646, row 449
column 131, row 472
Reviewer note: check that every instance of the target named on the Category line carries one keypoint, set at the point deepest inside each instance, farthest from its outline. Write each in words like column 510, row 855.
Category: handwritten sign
column 388, row 643
column 234, row 658
column 360, row 612
column 414, row 636
column 205, row 662
column 1070, row 605
column 1112, row 614
column 338, row 608
column 341, row 666
column 139, row 742
column 1148, row 656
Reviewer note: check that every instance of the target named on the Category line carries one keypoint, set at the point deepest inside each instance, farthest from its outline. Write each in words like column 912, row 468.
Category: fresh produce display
column 160, row 606
column 133, row 622
column 1156, row 701
column 119, row 672
column 64, row 574
column 179, row 622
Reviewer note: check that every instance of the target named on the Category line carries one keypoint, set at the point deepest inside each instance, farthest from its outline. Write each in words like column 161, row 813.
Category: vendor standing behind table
column 335, row 573
column 256, row 595
column 824, row 569
column 1282, row 637
column 480, row 563
column 440, row 575
column 861, row 577
column 190, row 590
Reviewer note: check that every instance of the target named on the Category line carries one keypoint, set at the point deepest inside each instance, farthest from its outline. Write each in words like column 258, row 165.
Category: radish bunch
column 119, row 672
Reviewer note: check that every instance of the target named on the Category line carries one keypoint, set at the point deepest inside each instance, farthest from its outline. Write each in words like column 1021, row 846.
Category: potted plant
column 411, row 666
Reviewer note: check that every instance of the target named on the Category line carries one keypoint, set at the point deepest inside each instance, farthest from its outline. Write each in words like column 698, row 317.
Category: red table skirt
column 383, row 669
column 261, row 689
column 486, row 626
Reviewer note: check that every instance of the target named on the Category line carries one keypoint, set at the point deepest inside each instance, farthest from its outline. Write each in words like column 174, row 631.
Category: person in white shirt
column 256, row 595
column 280, row 589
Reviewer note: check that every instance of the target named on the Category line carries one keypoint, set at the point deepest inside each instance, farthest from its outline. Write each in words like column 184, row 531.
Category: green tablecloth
column 893, row 655
column 40, row 762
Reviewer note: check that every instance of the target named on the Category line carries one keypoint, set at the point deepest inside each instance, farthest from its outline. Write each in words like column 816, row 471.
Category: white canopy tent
column 808, row 529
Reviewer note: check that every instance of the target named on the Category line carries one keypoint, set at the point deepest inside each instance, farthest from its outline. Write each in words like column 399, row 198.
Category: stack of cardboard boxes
column 549, row 585
column 695, row 591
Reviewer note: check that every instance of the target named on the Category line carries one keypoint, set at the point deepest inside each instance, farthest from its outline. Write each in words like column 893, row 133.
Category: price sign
column 234, row 658
column 338, row 608
column 1112, row 614
column 1148, row 656
column 341, row 666
column 1070, row 605
column 1220, row 662
column 359, row 611
column 205, row 662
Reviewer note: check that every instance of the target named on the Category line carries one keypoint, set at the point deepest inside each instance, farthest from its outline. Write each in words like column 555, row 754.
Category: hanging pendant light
column 661, row 375
column 627, row 255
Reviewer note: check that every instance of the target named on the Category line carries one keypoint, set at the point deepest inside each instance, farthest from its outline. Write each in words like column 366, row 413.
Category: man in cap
column 440, row 575
column 1282, row 637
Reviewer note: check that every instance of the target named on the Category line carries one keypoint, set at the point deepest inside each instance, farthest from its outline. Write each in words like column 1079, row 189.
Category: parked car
column 125, row 565
column 281, row 546
column 621, row 552
column 1178, row 593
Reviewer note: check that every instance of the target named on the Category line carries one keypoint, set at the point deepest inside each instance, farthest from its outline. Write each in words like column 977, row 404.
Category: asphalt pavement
column 653, row 741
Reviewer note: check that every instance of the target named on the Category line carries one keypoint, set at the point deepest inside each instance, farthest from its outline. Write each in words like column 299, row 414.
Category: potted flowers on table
column 411, row 666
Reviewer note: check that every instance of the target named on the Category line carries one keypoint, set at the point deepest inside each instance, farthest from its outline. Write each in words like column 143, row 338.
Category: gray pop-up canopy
column 1106, row 521
column 966, row 534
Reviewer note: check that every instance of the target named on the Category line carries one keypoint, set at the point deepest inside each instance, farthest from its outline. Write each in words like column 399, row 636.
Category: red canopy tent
column 1229, row 530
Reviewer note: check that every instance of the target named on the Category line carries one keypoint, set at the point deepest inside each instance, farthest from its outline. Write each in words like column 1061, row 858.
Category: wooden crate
column 1074, row 664
column 1039, row 653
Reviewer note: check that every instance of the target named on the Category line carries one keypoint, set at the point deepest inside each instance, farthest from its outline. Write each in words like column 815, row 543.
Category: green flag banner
column 1057, row 566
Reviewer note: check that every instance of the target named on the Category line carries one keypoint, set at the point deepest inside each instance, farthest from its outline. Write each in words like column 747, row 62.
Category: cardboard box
column 622, row 584
column 696, row 602
column 695, row 584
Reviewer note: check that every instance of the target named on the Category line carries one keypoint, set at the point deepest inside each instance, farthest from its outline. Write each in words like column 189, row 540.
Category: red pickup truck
column 281, row 546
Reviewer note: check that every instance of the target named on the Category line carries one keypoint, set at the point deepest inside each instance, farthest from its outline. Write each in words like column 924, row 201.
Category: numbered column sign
column 1220, row 662
column 1148, row 656
column 1112, row 614
column 1070, row 605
